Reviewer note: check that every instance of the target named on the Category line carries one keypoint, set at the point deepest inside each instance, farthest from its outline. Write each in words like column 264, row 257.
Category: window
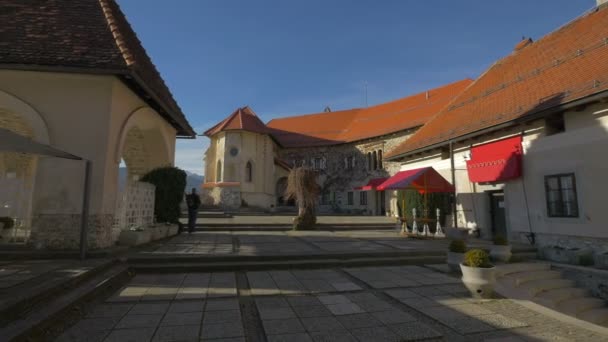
column 218, row 171
column 369, row 160
column 351, row 198
column 249, row 172
column 363, row 198
column 325, row 198
column 555, row 124
column 318, row 163
column 561, row 195
column 375, row 160
column 349, row 162
column 380, row 159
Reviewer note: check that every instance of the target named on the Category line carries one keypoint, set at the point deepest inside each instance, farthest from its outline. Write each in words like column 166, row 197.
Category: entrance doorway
column 380, row 203
column 497, row 213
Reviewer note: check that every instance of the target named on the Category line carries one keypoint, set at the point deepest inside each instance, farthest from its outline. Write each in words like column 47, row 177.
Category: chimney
column 601, row 2
column 327, row 109
column 527, row 41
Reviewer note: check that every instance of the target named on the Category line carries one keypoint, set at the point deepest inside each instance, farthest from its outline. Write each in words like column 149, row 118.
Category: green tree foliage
column 170, row 184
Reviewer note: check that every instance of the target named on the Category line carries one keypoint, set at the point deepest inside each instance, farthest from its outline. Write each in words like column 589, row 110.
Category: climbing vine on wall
column 170, row 184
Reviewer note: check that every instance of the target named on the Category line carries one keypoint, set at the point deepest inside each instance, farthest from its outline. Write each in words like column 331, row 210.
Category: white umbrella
column 13, row 142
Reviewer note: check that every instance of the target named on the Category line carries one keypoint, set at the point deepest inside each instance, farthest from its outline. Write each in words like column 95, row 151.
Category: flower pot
column 480, row 281
column 500, row 253
column 454, row 261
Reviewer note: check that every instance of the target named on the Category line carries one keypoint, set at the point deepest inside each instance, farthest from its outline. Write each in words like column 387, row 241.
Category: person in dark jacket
column 193, row 202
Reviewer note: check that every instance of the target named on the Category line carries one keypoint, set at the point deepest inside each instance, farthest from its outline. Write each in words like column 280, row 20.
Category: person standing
column 193, row 202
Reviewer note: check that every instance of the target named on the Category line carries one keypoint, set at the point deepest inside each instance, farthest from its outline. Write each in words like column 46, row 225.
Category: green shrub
column 500, row 240
column 7, row 221
column 458, row 246
column 477, row 258
column 170, row 184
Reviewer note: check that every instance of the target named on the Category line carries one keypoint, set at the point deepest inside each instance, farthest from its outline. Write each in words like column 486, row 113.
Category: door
column 380, row 203
column 497, row 213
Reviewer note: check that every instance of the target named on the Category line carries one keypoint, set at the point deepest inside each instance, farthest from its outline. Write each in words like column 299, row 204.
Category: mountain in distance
column 193, row 180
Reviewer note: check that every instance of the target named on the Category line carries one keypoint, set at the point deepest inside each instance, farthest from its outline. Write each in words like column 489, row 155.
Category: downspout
column 85, row 210
column 454, row 215
column 531, row 236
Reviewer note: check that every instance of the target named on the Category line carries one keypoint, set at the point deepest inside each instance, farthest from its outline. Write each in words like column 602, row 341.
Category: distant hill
column 193, row 180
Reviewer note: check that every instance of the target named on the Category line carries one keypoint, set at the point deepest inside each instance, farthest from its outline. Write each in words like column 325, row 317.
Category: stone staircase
column 536, row 281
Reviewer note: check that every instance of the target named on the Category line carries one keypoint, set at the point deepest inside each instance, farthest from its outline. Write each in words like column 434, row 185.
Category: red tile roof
column 87, row 36
column 566, row 65
column 242, row 119
column 363, row 123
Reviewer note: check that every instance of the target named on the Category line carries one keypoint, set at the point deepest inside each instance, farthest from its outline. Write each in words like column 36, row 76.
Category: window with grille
column 325, row 198
column 351, row 198
column 363, row 198
column 561, row 195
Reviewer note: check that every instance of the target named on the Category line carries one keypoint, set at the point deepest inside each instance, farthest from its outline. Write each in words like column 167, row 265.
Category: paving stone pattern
column 255, row 243
column 298, row 282
column 400, row 303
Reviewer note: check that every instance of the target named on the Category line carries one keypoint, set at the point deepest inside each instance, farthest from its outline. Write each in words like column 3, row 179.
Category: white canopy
column 13, row 142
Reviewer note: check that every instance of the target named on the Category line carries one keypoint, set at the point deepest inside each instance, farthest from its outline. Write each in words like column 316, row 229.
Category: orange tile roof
column 84, row 36
column 567, row 64
column 243, row 119
column 362, row 123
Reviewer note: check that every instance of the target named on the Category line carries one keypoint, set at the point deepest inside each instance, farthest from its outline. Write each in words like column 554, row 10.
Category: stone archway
column 18, row 171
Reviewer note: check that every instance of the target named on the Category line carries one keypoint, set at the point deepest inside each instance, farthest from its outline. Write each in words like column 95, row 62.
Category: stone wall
column 227, row 198
column 337, row 179
column 62, row 231
column 595, row 281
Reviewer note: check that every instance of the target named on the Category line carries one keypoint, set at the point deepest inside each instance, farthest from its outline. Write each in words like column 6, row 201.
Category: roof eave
column 183, row 128
column 534, row 116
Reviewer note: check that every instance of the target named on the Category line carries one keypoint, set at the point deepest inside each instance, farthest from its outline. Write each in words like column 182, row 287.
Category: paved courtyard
column 305, row 243
column 397, row 303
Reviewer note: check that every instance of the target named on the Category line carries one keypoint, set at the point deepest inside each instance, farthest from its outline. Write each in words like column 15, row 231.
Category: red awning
column 496, row 161
column 372, row 184
column 423, row 180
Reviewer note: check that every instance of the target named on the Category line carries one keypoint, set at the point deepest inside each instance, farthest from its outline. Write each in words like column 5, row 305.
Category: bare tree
column 302, row 186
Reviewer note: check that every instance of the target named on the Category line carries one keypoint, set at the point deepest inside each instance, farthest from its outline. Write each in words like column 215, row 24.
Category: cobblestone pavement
column 264, row 243
column 397, row 303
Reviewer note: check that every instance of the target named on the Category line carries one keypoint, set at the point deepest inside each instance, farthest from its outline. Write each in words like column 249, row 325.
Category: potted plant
column 478, row 274
column 456, row 254
column 501, row 250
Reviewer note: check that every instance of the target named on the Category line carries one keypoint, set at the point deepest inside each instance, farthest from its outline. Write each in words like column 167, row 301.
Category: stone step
column 575, row 306
column 552, row 298
column 535, row 287
column 522, row 267
column 33, row 326
column 597, row 316
column 519, row 278
column 177, row 267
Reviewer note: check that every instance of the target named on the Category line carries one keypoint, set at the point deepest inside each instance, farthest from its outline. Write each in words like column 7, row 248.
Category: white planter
column 500, row 253
column 480, row 281
column 134, row 238
column 454, row 261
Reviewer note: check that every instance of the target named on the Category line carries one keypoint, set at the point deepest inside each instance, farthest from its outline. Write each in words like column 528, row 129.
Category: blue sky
column 287, row 57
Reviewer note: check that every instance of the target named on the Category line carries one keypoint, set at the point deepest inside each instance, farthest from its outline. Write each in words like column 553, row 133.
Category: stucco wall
column 580, row 149
column 82, row 115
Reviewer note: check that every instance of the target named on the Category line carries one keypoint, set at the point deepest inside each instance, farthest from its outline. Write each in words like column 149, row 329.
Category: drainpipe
column 85, row 210
column 454, row 216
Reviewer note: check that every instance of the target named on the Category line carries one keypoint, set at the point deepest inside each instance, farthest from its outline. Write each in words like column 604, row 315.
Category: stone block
column 134, row 238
